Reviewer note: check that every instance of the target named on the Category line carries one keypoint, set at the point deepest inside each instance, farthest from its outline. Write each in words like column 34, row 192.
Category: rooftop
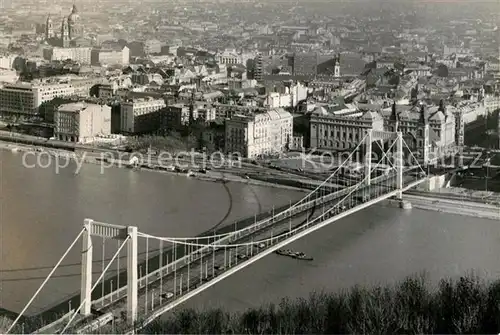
column 72, row 107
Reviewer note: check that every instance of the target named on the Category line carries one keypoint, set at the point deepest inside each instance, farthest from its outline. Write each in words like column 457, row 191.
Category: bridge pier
column 86, row 285
column 399, row 203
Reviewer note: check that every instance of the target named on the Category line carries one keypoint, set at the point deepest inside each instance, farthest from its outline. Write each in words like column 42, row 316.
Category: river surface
column 41, row 212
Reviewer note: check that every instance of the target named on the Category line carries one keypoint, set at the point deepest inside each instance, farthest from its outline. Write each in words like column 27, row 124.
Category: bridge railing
column 279, row 242
column 49, row 329
column 231, row 237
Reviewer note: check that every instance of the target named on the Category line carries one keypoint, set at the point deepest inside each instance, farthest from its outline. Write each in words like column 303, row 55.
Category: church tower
column 49, row 28
column 336, row 68
column 64, row 33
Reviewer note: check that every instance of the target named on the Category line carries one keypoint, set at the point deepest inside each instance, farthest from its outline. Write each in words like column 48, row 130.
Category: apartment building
column 140, row 115
column 112, row 56
column 259, row 134
column 81, row 122
column 81, row 55
column 175, row 116
column 25, row 98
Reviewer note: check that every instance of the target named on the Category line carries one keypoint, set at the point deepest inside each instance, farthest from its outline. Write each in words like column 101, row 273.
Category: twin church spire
column 71, row 28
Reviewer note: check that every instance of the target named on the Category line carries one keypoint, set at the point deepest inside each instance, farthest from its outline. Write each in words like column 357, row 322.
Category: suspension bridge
column 186, row 266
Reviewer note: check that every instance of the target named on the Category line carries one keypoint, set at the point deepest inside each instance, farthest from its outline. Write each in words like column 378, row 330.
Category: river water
column 42, row 211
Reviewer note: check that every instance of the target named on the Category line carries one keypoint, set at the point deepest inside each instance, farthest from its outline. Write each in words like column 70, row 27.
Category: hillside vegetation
column 466, row 305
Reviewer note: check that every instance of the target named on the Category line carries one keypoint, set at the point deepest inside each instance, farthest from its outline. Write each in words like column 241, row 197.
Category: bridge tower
column 108, row 231
column 398, row 157
column 424, row 125
column 498, row 130
column 368, row 156
column 86, row 288
column 399, row 164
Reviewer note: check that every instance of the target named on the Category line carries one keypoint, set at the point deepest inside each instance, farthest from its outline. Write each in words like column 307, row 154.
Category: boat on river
column 294, row 254
column 302, row 256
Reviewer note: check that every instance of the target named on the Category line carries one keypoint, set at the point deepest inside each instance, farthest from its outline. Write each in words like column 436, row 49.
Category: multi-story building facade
column 491, row 103
column 140, row 115
column 259, row 134
column 7, row 61
column 330, row 131
column 81, row 55
column 427, row 129
column 25, row 98
column 81, row 122
column 205, row 114
column 288, row 95
column 83, row 85
column 176, row 116
column 106, row 57
column 8, row 76
column 259, row 67
column 232, row 57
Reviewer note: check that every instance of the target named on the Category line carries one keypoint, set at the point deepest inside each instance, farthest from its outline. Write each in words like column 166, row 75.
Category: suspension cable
column 284, row 211
column 96, row 283
column 175, row 241
column 45, row 281
column 411, row 153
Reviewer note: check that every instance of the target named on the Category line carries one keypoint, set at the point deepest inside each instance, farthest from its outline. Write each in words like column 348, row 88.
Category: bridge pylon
column 86, row 288
column 114, row 232
column 132, row 281
column 368, row 156
column 399, row 164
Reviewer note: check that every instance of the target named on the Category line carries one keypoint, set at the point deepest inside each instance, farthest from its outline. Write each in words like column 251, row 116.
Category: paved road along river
column 41, row 212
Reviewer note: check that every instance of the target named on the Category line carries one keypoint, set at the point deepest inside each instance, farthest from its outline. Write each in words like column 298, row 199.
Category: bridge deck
column 198, row 271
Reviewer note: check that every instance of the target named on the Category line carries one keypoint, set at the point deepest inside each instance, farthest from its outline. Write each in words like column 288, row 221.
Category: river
column 42, row 211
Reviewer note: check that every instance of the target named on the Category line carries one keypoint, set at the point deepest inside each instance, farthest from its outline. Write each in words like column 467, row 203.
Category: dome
column 74, row 17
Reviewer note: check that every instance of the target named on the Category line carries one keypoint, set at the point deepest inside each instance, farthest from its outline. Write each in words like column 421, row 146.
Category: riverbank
column 434, row 202
column 93, row 158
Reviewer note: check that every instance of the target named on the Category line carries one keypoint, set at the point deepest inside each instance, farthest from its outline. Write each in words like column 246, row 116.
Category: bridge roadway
column 191, row 272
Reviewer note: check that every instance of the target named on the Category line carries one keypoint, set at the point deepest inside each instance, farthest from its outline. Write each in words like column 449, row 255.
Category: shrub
column 465, row 305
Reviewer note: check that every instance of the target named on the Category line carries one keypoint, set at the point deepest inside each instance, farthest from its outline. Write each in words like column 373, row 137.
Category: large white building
column 341, row 130
column 8, row 76
column 80, row 55
column 112, row 56
column 259, row 134
column 286, row 96
column 81, row 122
column 7, row 61
column 25, row 98
column 137, row 115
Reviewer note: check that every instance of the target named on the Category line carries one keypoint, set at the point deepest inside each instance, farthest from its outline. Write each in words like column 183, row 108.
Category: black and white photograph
column 250, row 167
